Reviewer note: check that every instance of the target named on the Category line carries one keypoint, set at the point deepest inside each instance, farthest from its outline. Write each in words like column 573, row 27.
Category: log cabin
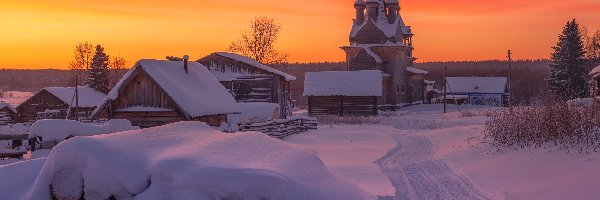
column 8, row 114
column 345, row 93
column 250, row 81
column 59, row 103
column 158, row 92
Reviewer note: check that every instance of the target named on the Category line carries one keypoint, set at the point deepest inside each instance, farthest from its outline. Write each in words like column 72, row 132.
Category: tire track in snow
column 415, row 175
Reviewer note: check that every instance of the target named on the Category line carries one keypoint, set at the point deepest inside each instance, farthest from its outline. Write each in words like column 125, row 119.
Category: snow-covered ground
column 415, row 153
column 14, row 98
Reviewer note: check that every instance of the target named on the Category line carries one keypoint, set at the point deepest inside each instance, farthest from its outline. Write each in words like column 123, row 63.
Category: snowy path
column 415, row 175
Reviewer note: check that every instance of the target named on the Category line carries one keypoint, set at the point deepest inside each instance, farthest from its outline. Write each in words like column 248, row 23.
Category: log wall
column 342, row 105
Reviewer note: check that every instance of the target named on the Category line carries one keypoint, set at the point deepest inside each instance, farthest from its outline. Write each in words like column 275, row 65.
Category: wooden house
column 158, row 92
column 595, row 82
column 344, row 93
column 8, row 114
column 478, row 90
column 58, row 103
column 250, row 81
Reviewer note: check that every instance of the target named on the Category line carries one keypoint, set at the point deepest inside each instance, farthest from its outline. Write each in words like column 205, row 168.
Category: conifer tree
column 98, row 74
column 568, row 72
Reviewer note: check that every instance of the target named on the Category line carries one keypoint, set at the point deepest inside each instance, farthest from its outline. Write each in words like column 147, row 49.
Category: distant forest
column 528, row 75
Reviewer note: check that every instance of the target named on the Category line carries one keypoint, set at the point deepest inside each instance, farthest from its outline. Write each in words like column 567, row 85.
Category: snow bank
column 60, row 129
column 255, row 112
column 580, row 102
column 187, row 160
column 17, row 178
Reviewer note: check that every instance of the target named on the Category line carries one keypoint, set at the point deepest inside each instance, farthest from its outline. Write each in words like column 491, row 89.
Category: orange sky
column 42, row 33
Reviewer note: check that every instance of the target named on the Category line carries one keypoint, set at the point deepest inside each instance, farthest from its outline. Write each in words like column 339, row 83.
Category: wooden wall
column 264, row 85
column 363, row 61
column 369, row 34
column 342, row 105
column 28, row 111
column 7, row 116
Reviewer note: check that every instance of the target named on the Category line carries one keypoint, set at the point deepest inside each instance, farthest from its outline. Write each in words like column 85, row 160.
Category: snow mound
column 581, row 102
column 255, row 112
column 60, row 129
column 187, row 160
column 17, row 178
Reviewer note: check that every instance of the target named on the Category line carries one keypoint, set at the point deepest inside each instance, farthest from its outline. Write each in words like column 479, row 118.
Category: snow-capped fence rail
column 283, row 128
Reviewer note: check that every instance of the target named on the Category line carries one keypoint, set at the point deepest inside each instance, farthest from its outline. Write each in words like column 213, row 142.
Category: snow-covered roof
column 389, row 29
column 256, row 64
column 196, row 93
column 372, row 54
column 416, row 71
column 88, row 97
column 343, row 83
column 595, row 72
column 463, row 85
column 4, row 104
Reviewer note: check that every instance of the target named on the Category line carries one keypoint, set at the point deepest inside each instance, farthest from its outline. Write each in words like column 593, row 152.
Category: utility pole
column 76, row 100
column 509, row 79
column 445, row 86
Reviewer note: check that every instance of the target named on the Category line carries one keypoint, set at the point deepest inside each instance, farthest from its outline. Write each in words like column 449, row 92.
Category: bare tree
column 258, row 42
column 117, row 68
column 82, row 58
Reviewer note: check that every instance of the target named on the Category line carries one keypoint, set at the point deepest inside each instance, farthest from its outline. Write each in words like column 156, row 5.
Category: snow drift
column 187, row 160
column 60, row 129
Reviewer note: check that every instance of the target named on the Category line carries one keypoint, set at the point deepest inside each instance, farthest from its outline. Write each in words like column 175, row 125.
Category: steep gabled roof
column 344, row 83
column 87, row 97
column 196, row 93
column 254, row 63
column 6, row 105
column 485, row 85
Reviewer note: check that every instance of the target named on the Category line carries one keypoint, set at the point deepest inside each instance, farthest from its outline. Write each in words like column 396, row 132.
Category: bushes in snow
column 572, row 126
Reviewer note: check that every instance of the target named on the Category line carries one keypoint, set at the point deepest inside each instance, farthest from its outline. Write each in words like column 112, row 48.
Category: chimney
column 185, row 63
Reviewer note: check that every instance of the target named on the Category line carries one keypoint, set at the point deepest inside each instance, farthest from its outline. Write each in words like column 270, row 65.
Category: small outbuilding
column 158, row 92
column 8, row 114
column 59, row 103
column 344, row 93
column 479, row 90
column 250, row 81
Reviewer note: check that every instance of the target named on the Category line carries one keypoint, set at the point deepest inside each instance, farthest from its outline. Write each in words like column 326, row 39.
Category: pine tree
column 568, row 73
column 98, row 75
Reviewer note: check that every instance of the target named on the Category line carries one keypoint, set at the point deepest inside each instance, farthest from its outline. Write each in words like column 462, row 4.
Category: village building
column 158, row 92
column 595, row 82
column 250, row 81
column 344, row 93
column 431, row 93
column 59, row 103
column 379, row 40
column 477, row 90
column 8, row 114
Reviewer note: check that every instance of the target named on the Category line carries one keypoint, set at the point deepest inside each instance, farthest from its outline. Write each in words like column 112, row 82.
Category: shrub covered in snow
column 187, row 160
column 61, row 129
column 550, row 124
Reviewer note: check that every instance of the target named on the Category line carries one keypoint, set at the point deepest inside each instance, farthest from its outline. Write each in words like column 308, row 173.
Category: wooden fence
column 342, row 105
column 282, row 128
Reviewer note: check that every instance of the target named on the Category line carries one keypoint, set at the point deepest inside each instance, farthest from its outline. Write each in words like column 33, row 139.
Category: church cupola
column 360, row 6
column 393, row 10
column 372, row 11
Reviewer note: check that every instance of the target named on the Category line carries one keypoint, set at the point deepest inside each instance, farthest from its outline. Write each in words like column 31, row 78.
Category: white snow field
column 415, row 153
column 187, row 160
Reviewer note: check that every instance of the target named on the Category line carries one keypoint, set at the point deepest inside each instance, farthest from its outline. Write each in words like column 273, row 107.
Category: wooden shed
column 250, row 81
column 344, row 93
column 8, row 114
column 58, row 102
column 158, row 92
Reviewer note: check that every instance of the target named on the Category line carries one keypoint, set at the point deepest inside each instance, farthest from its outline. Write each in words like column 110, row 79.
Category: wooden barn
column 477, row 90
column 250, row 81
column 8, row 114
column 58, row 102
column 158, row 92
column 344, row 93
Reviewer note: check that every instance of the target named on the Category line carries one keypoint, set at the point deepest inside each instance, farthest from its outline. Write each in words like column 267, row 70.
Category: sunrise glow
column 42, row 33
